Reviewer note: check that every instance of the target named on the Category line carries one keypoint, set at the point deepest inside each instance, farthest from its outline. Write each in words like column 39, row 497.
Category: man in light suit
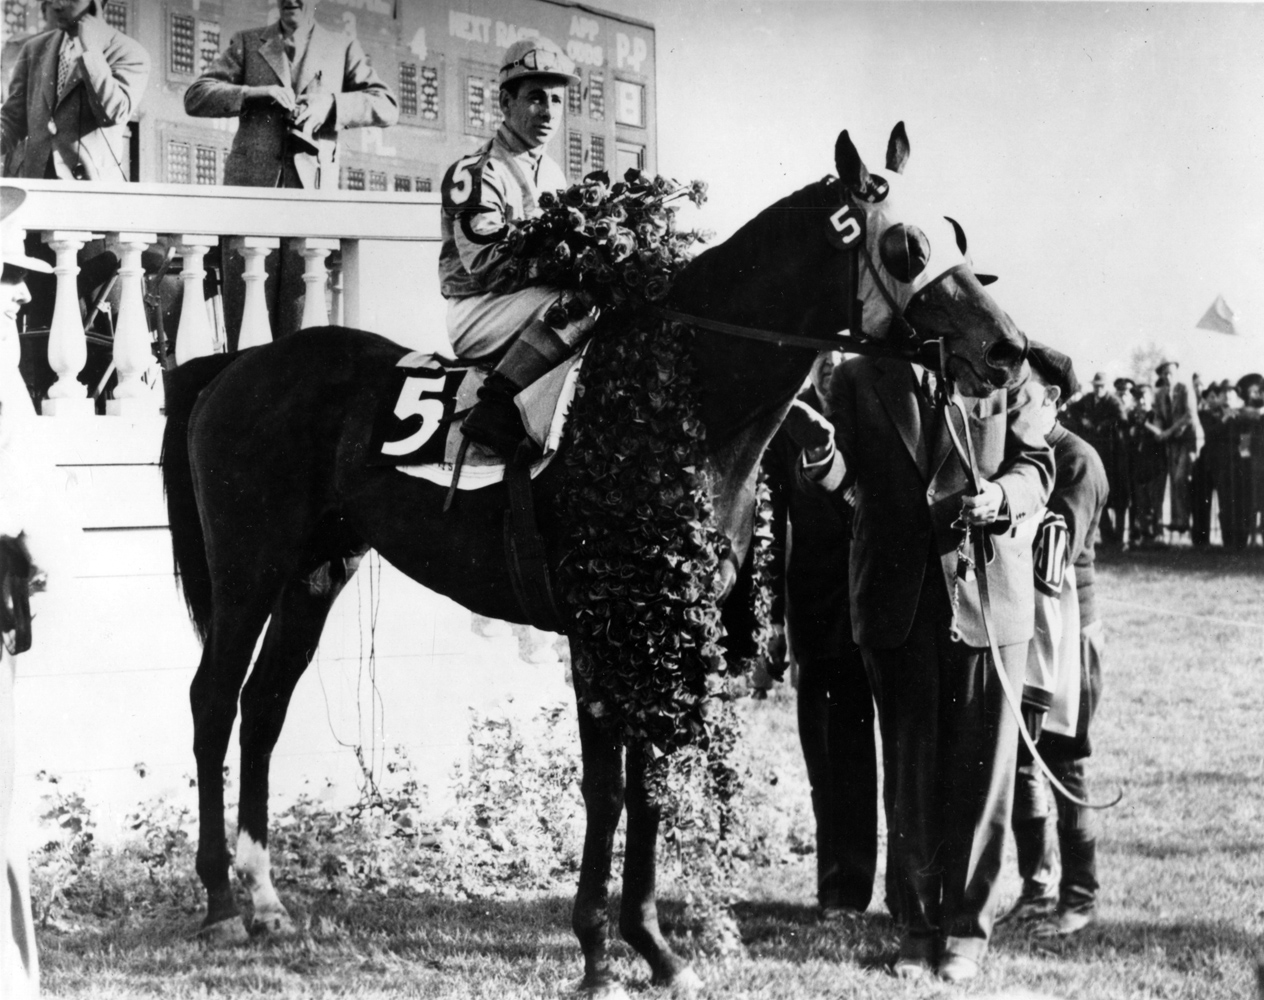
column 949, row 742
column 73, row 90
column 295, row 86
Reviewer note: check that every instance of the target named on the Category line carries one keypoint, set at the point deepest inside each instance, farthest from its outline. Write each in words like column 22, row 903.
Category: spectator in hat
column 1181, row 435
column 1096, row 417
column 73, row 90
column 1120, row 472
column 1213, row 466
column 1248, row 429
column 1064, row 671
column 294, row 87
column 1147, row 457
column 490, row 312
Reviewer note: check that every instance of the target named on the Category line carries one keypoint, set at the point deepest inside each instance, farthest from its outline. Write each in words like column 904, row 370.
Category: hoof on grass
column 230, row 931
column 273, row 924
column 609, row 990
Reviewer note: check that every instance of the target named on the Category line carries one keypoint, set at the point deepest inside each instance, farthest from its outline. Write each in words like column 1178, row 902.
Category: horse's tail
column 188, row 546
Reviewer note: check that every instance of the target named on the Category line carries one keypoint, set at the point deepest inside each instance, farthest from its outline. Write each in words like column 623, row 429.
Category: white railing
column 388, row 280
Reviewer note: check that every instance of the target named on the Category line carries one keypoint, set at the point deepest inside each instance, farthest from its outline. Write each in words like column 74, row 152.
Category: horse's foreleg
column 602, row 787
column 213, row 697
column 638, row 914
column 293, row 634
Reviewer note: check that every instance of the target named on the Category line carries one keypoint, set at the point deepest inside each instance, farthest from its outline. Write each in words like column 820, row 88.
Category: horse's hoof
column 230, row 931
column 273, row 923
column 608, row 990
column 685, row 985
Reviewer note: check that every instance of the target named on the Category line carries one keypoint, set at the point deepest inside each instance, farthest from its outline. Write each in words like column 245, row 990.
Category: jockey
column 492, row 315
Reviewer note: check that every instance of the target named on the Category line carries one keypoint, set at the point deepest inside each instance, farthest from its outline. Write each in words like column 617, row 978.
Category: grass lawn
column 1181, row 730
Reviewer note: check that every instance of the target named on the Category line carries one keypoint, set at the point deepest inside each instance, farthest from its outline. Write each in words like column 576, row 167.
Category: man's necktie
column 930, row 423
column 65, row 65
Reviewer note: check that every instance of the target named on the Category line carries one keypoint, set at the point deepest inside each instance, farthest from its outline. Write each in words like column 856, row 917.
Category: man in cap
column 19, row 514
column 294, row 86
column 1063, row 675
column 1181, row 434
column 1096, row 418
column 491, row 316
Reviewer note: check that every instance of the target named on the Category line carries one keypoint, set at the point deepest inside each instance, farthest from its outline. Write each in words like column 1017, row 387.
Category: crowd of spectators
column 1199, row 447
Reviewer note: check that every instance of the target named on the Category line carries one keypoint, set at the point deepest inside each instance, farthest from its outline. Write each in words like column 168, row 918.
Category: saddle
column 418, row 432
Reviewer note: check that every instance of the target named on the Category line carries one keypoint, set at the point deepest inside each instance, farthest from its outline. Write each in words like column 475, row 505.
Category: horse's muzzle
column 1004, row 360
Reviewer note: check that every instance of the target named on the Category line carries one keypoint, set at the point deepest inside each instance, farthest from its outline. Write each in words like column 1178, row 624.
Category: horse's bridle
column 902, row 344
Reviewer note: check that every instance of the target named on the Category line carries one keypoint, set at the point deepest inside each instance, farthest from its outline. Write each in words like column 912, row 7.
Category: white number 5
column 409, row 403
column 462, row 181
column 846, row 225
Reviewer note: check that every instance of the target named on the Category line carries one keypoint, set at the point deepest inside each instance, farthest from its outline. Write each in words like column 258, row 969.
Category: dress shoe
column 1029, row 907
column 909, row 968
column 1064, row 923
column 832, row 913
column 958, row 969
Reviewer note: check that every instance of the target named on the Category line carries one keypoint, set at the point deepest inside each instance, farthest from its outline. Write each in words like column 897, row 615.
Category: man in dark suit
column 72, row 92
column 835, row 706
column 949, row 742
column 294, row 86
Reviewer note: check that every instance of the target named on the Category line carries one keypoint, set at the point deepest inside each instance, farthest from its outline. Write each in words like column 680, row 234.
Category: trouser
column 514, row 330
column 283, row 289
column 1180, row 463
column 1147, row 507
column 949, row 754
column 835, row 713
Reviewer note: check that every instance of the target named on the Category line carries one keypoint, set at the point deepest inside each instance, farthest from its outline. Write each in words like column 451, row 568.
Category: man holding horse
column 949, row 742
column 490, row 315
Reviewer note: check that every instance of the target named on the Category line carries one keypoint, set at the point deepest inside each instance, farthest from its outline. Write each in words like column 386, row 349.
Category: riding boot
column 1078, row 889
column 494, row 421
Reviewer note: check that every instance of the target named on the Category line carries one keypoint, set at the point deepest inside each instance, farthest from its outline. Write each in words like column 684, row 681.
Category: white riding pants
column 482, row 324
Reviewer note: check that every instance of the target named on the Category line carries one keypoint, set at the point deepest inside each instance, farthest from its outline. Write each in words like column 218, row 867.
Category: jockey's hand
column 985, row 506
column 809, row 430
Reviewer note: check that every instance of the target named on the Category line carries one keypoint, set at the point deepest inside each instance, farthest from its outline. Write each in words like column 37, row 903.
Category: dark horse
column 269, row 495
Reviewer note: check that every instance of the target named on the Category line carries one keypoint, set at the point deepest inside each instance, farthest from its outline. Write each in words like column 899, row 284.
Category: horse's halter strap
column 903, row 343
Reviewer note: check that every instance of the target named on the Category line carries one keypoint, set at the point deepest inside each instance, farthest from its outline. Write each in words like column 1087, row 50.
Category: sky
column 1106, row 159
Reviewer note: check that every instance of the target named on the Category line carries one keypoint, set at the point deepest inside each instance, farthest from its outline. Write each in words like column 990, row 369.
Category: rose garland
column 641, row 579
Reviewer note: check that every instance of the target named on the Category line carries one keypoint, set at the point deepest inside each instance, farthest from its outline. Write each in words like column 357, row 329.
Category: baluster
column 255, row 329
column 133, row 343
column 67, row 345
column 314, row 252
column 195, row 337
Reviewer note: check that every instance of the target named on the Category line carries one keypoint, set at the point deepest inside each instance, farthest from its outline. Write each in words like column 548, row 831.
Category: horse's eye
column 905, row 251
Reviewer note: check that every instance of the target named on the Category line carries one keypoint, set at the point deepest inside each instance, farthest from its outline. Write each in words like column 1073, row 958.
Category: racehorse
column 272, row 505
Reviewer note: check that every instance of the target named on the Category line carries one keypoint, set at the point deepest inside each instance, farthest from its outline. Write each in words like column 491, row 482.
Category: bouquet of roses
column 613, row 245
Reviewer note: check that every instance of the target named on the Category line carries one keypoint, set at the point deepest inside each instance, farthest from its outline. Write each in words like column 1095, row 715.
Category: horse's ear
column 851, row 169
column 897, row 149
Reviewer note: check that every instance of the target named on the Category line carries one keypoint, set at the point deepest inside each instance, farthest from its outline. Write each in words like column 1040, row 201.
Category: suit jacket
column 909, row 489
column 85, row 134
column 818, row 622
column 333, row 64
